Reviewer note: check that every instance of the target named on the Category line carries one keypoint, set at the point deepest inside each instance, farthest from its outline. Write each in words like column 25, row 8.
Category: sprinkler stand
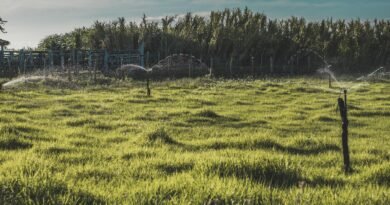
column 147, row 86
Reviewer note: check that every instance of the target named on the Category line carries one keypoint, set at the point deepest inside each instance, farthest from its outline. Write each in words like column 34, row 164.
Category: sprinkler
column 147, row 86
column 342, row 103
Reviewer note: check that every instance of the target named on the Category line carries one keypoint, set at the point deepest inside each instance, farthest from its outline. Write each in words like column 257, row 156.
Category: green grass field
column 193, row 142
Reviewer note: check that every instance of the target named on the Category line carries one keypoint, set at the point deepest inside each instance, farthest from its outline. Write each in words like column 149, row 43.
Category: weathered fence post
column 344, row 117
column 147, row 85
column 69, row 73
column 330, row 80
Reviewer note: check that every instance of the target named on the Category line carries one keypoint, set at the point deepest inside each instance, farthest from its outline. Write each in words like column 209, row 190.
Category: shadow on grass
column 160, row 136
column 319, row 181
column 13, row 143
column 48, row 191
column 19, row 130
column 371, row 114
column 267, row 144
column 80, row 122
column 380, row 175
column 56, row 150
column 175, row 168
column 138, row 155
column 62, row 113
column 272, row 173
column 209, row 117
column 146, row 100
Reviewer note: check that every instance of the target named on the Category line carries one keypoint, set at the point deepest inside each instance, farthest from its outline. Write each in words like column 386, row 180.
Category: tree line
column 243, row 37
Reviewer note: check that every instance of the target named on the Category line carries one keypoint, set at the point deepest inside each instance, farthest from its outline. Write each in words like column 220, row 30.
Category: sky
column 29, row 21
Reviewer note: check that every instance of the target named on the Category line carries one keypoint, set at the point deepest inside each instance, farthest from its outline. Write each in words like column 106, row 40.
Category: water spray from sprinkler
column 371, row 74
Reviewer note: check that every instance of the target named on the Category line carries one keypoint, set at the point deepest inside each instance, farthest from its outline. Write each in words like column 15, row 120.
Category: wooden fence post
column 344, row 117
column 69, row 73
column 147, row 85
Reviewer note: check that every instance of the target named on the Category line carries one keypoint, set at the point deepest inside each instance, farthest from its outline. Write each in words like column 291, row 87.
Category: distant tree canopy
column 353, row 45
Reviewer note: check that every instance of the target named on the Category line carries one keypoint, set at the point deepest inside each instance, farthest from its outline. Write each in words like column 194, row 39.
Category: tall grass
column 194, row 141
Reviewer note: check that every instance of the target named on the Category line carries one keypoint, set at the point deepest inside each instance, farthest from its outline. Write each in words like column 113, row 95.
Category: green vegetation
column 199, row 141
column 234, row 36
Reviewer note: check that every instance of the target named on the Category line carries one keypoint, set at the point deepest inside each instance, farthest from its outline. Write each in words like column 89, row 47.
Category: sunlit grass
column 193, row 141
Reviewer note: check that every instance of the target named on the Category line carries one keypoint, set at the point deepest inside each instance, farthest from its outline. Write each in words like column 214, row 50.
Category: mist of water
column 23, row 79
column 365, row 77
column 326, row 70
column 346, row 86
